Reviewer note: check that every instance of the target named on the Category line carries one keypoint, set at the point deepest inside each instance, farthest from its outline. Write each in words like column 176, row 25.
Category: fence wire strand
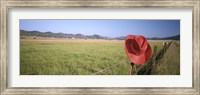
column 105, row 69
column 152, row 61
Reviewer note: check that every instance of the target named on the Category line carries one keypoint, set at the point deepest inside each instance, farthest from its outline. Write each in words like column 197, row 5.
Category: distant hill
column 60, row 35
column 120, row 38
column 176, row 37
column 81, row 36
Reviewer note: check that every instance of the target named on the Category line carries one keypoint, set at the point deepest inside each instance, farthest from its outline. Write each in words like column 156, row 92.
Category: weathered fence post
column 154, row 54
column 154, row 59
column 133, row 66
column 131, row 69
column 151, row 66
column 155, row 50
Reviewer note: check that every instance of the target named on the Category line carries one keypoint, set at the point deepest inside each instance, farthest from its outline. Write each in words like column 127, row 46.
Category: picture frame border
column 5, row 5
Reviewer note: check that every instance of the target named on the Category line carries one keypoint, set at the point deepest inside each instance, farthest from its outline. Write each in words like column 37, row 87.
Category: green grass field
column 75, row 57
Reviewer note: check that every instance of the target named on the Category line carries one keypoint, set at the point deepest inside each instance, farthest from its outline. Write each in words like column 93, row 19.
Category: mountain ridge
column 81, row 36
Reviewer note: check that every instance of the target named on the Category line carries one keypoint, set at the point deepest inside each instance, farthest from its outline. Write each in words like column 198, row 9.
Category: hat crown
column 138, row 45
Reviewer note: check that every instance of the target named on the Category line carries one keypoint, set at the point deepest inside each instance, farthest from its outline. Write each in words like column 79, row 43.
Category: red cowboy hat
column 137, row 49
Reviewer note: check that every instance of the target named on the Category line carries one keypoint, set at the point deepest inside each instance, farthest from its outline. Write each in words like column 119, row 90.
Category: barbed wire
column 152, row 61
column 105, row 69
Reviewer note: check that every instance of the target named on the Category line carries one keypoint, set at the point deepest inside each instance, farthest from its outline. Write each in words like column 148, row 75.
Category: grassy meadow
column 79, row 57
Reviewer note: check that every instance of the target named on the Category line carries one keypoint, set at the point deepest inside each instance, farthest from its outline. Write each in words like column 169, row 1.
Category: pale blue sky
column 109, row 28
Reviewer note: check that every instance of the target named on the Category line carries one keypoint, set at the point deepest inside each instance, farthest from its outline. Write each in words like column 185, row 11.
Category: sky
column 108, row 28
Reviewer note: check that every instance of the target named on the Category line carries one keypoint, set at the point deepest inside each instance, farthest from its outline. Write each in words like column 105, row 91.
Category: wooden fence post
column 149, row 70
column 154, row 58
